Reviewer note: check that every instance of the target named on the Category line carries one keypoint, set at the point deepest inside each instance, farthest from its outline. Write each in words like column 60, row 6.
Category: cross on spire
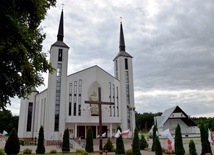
column 99, row 103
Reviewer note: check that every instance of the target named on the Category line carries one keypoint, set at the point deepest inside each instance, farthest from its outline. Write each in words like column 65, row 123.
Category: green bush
column 158, row 149
column 40, row 145
column 119, row 143
column 108, row 145
column 192, row 149
column 53, row 151
column 2, row 152
column 143, row 143
column 12, row 145
column 136, row 143
column 27, row 151
column 89, row 146
column 128, row 152
column 21, row 142
column 66, row 142
column 82, row 152
column 179, row 148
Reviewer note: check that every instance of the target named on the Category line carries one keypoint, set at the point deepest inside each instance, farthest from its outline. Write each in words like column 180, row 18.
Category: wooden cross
column 99, row 102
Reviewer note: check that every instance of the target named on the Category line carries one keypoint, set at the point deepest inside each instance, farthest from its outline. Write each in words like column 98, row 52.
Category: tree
column 89, row 147
column 205, row 144
column 154, row 136
column 192, row 149
column 12, row 145
column 179, row 148
column 136, row 143
column 108, row 145
column 143, row 142
column 66, row 142
column 158, row 149
column 119, row 143
column 40, row 145
column 22, row 60
column 8, row 121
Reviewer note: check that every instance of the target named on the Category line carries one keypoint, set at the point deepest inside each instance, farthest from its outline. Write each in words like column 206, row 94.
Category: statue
column 94, row 107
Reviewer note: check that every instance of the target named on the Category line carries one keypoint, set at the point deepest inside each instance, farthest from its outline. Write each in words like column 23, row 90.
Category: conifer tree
column 136, row 143
column 143, row 142
column 12, row 145
column 108, row 145
column 89, row 147
column 192, row 149
column 40, row 145
column 179, row 148
column 205, row 144
column 158, row 149
column 119, row 143
column 154, row 136
column 66, row 142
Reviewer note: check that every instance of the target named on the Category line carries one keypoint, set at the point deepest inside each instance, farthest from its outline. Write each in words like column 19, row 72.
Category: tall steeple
column 60, row 34
column 122, row 41
column 122, row 47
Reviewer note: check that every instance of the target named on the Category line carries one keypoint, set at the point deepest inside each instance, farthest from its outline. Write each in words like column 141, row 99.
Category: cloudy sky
column 172, row 42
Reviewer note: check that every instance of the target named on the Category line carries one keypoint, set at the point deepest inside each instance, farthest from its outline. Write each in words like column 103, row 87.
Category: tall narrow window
column 114, row 100
column 75, row 98
column 70, row 100
column 117, row 102
column 44, row 112
column 127, row 94
column 127, row 76
column 79, row 97
column 110, row 109
column 126, row 63
column 29, row 116
column 60, row 55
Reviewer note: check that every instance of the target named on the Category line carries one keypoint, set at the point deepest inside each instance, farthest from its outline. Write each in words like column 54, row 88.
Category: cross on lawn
column 99, row 102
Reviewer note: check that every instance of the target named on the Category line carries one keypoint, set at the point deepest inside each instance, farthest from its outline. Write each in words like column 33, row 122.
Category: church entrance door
column 81, row 131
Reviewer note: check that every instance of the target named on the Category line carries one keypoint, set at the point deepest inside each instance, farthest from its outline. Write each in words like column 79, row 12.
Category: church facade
column 62, row 105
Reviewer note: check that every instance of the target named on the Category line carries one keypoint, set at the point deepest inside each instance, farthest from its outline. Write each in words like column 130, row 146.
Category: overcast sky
column 172, row 42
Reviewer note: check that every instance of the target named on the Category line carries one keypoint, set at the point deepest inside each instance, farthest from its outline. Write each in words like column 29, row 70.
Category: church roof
column 60, row 34
column 161, row 120
column 122, row 46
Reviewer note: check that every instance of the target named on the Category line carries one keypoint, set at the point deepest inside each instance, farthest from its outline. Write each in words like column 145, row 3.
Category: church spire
column 122, row 41
column 60, row 34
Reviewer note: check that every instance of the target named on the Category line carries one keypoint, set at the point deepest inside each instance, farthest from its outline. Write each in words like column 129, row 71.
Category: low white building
column 62, row 105
column 174, row 116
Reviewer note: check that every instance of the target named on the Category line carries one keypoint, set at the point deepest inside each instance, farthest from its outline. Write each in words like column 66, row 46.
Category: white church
column 62, row 105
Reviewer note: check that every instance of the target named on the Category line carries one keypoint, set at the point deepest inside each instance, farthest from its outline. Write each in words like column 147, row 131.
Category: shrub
column 205, row 144
column 119, row 144
column 82, row 152
column 27, row 151
column 89, row 147
column 136, row 143
column 12, row 145
column 129, row 152
column 40, row 145
column 179, row 148
column 143, row 143
column 2, row 152
column 108, row 145
column 154, row 137
column 66, row 142
column 192, row 149
column 158, row 149
column 53, row 151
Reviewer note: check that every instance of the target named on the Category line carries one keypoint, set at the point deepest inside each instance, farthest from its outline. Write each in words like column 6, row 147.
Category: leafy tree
column 205, row 144
column 40, row 145
column 89, row 147
column 119, row 143
column 136, row 143
column 66, row 142
column 154, row 136
column 108, row 145
column 192, row 149
column 179, row 148
column 158, row 149
column 21, row 60
column 12, row 145
column 8, row 121
column 143, row 142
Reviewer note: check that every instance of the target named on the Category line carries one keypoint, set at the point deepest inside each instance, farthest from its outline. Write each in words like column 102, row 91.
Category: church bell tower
column 55, row 121
column 123, row 70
